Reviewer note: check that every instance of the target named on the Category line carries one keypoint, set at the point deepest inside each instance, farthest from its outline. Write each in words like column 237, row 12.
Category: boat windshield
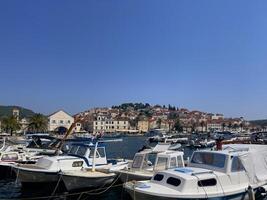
column 137, row 162
column 209, row 158
column 100, row 152
column 162, row 164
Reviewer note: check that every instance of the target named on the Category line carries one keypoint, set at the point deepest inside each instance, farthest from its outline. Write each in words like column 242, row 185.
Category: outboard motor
column 261, row 192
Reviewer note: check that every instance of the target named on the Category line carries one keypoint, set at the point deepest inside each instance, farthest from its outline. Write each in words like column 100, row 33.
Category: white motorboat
column 47, row 169
column 89, row 177
column 142, row 167
column 235, row 173
column 10, row 155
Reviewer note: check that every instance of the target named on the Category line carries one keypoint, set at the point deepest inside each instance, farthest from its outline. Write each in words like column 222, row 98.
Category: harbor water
column 11, row 189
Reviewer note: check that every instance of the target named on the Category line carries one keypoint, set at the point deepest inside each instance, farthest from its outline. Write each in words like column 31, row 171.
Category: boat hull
column 142, row 196
column 78, row 183
column 35, row 177
column 6, row 171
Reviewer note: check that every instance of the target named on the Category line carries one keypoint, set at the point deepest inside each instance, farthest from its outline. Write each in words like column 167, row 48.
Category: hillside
column 262, row 122
column 7, row 111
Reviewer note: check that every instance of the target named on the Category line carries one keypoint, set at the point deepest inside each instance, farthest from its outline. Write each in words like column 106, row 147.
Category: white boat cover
column 254, row 160
column 161, row 147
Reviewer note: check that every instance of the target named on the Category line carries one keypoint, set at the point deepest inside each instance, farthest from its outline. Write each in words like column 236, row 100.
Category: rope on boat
column 106, row 189
column 206, row 194
column 219, row 182
column 54, row 191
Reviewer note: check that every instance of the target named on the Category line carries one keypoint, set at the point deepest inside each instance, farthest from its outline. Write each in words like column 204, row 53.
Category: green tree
column 235, row 126
column 159, row 123
column 10, row 124
column 230, row 125
column 38, row 123
column 177, row 126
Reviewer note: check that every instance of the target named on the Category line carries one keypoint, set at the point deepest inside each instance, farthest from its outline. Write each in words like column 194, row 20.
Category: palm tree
column 159, row 123
column 230, row 125
column 223, row 126
column 10, row 124
column 202, row 124
column 38, row 123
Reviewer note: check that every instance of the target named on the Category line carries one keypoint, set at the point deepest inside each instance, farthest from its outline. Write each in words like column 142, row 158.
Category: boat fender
column 251, row 195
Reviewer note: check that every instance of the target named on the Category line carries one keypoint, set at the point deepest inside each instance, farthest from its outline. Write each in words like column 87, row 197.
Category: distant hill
column 6, row 111
column 262, row 122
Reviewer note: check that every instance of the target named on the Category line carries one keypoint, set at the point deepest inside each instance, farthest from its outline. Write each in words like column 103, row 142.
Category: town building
column 24, row 124
column 214, row 126
column 217, row 116
column 143, row 126
column 106, row 124
column 61, row 121
column 16, row 113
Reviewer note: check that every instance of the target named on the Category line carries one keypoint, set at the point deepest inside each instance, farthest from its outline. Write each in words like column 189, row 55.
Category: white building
column 214, row 126
column 104, row 124
column 61, row 120
column 24, row 124
column 217, row 116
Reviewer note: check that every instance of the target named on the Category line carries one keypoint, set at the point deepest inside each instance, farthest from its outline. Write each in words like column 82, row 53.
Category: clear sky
column 209, row 55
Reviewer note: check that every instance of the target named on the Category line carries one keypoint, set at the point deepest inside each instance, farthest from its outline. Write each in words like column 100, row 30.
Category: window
column 73, row 149
column 173, row 162
column 101, row 152
column 173, row 181
column 158, row 177
column 236, row 165
column 207, row 158
column 137, row 162
column 124, row 122
column 53, row 121
column 81, row 151
column 91, row 155
column 95, row 123
column 61, row 122
column 68, row 121
column 10, row 157
column 180, row 161
column 161, row 164
column 77, row 163
column 207, row 182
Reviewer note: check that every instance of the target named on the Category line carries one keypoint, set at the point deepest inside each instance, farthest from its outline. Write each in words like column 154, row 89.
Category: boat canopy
column 254, row 160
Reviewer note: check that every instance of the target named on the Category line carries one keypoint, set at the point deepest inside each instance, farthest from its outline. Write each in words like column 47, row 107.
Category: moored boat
column 47, row 168
column 235, row 173
column 146, row 162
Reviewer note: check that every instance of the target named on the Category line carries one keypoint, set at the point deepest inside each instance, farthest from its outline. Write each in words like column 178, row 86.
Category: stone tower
column 15, row 113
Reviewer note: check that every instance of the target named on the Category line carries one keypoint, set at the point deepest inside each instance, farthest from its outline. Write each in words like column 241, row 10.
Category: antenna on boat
column 93, row 167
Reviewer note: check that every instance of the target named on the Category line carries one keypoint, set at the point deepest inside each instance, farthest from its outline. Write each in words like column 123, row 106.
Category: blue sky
column 207, row 55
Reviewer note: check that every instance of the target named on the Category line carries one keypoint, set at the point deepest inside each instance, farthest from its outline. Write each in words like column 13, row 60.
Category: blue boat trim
column 183, row 170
